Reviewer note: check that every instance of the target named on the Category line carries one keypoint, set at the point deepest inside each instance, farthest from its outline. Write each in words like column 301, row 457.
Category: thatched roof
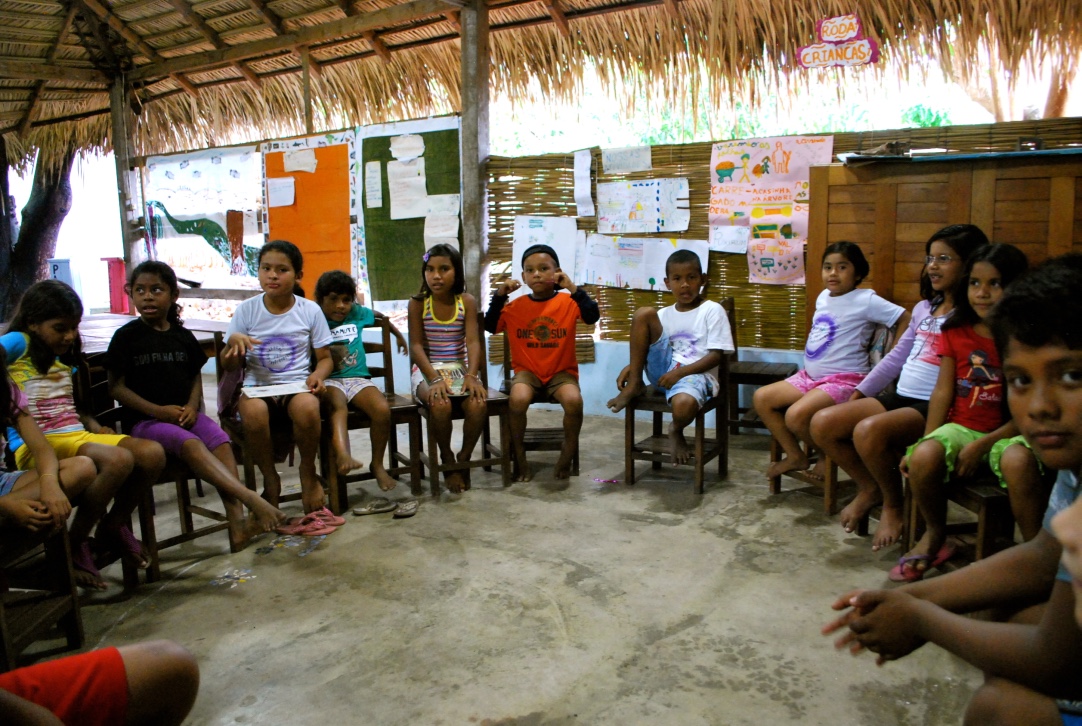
column 208, row 71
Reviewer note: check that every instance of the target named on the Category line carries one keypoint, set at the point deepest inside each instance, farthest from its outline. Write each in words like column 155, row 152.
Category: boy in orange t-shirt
column 541, row 327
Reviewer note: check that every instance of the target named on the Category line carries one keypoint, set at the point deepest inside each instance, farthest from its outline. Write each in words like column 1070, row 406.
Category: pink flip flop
column 905, row 572
column 307, row 526
column 328, row 517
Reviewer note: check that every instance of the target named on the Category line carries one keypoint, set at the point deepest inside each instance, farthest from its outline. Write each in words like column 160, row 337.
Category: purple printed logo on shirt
column 277, row 354
column 820, row 337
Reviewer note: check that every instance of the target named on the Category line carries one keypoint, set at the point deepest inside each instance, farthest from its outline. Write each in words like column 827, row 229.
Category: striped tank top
column 446, row 338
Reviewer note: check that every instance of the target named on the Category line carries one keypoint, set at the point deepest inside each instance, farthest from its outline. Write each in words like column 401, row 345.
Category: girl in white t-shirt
column 835, row 356
column 273, row 335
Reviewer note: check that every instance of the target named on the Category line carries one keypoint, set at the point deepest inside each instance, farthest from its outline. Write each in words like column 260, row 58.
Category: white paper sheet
column 559, row 233
column 299, row 160
column 444, row 204
column 441, row 229
column 657, row 253
column 583, row 198
column 407, row 147
column 373, row 185
column 281, row 389
column 626, row 160
column 280, row 192
column 635, row 262
column 730, row 239
column 642, row 207
column 406, row 184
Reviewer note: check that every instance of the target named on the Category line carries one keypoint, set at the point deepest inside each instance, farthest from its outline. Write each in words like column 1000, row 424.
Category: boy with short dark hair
column 1035, row 657
column 679, row 348
column 541, row 334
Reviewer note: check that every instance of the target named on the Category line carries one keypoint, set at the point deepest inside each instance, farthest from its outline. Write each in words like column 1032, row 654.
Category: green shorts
column 954, row 437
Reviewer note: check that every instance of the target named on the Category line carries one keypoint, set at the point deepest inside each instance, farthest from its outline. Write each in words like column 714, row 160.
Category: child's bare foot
column 681, row 454
column 789, row 463
column 346, row 463
column 454, row 482
column 819, row 471
column 85, row 571
column 266, row 516
column 383, row 479
column 566, row 462
column 889, row 531
column 462, row 458
column 243, row 530
column 857, row 510
column 632, row 389
column 272, row 489
column 521, row 470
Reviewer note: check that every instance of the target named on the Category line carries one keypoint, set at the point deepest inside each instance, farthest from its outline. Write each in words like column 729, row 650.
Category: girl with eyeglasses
column 867, row 435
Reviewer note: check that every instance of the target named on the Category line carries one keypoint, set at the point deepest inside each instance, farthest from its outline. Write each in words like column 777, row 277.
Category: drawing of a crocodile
column 214, row 235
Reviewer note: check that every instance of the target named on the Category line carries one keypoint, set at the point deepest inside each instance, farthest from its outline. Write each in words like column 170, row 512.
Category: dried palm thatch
column 410, row 67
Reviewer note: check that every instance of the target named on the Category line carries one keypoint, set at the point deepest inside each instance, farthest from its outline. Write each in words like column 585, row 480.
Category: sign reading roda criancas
column 842, row 43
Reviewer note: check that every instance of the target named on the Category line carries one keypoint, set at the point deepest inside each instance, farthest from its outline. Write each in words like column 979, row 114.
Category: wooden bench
column 981, row 495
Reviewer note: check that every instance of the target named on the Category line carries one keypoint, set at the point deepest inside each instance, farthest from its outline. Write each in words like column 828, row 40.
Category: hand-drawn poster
column 762, row 184
column 642, row 207
column 188, row 196
column 635, row 262
column 626, row 160
column 559, row 233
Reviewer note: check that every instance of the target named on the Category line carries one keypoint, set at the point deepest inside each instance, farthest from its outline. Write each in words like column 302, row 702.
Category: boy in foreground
column 541, row 330
column 1035, row 656
column 679, row 347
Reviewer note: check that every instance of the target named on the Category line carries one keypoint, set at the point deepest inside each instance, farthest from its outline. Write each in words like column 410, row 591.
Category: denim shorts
column 700, row 386
column 7, row 481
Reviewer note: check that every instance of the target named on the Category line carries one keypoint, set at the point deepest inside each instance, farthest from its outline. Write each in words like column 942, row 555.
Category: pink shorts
column 839, row 386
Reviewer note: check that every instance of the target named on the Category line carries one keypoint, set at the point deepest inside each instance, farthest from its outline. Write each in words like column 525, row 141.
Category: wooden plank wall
column 891, row 209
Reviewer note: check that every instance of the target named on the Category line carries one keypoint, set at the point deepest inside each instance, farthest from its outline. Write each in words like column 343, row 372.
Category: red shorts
column 89, row 689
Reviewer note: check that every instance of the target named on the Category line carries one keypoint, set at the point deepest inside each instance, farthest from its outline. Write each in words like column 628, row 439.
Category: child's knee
column 114, row 461
column 928, row 455
column 149, row 455
column 304, row 410
column 78, row 470
column 1017, row 462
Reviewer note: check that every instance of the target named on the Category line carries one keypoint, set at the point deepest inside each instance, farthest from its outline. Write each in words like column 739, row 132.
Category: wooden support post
column 474, row 135
column 234, row 230
column 306, row 84
column 124, row 153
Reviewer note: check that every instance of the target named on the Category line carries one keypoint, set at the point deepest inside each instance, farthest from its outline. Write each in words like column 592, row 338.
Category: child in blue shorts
column 679, row 348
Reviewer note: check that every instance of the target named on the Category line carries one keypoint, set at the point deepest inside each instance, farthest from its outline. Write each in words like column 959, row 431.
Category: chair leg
column 723, row 447
column 629, row 445
column 657, row 432
column 700, row 447
column 416, row 473
column 775, row 455
column 734, row 411
column 830, row 485
column 486, row 440
column 433, row 462
column 184, row 507
column 505, row 447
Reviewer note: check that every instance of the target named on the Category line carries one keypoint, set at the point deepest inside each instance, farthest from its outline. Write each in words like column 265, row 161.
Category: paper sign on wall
column 650, row 205
column 407, row 146
column 373, row 185
column 626, row 160
column 406, row 184
column 729, row 239
column 559, row 233
column 299, row 160
column 441, row 229
column 280, row 192
column 634, row 262
column 584, row 199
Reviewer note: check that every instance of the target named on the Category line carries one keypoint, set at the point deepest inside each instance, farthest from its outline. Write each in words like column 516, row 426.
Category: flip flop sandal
column 407, row 508
column 328, row 517
column 81, row 558
column 308, row 526
column 902, row 573
column 378, row 505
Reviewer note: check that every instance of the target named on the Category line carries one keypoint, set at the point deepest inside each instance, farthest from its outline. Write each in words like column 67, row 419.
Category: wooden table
column 97, row 330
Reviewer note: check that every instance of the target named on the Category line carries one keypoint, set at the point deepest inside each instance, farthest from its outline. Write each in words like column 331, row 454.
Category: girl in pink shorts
column 835, row 356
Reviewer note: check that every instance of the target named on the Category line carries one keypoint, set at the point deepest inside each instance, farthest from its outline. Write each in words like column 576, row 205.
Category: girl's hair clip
column 425, row 257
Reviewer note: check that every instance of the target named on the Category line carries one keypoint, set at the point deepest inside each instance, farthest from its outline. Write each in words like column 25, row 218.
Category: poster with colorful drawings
column 643, row 207
column 559, row 233
column 633, row 262
column 762, row 184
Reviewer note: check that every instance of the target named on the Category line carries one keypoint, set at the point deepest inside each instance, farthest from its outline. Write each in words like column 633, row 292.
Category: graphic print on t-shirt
column 277, row 354
column 342, row 336
column 981, row 385
column 542, row 332
column 821, row 336
column 924, row 342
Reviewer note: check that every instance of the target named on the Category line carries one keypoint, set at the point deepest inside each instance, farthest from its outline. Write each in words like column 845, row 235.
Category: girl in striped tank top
column 445, row 347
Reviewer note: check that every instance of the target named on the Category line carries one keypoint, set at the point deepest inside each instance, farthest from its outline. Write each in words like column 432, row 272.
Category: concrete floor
column 601, row 603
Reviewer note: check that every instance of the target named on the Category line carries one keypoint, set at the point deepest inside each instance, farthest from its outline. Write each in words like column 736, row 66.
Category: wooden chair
column 39, row 567
column 535, row 438
column 498, row 405
column 656, row 448
column 403, row 411
column 878, row 345
column 750, row 373
column 91, row 391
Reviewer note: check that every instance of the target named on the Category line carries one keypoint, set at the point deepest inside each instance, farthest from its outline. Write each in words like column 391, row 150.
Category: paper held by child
column 452, row 371
column 281, row 389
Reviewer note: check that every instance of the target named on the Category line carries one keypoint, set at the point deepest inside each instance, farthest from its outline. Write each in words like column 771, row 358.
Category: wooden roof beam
column 452, row 18
column 558, row 17
column 38, row 71
column 378, row 46
column 352, row 26
column 212, row 35
column 272, row 18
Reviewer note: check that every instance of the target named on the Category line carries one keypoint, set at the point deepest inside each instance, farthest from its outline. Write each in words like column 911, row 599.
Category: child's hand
column 565, row 282
column 889, row 623
column 402, row 347
column 187, row 417
column 971, row 456
column 472, row 387
column 107, row 430
column 53, row 500
column 170, row 414
column 903, row 466
column 239, row 344
column 315, row 385
column 856, row 396
column 438, row 391
column 507, row 287
column 623, row 378
column 847, row 639
column 26, row 513
column 670, row 378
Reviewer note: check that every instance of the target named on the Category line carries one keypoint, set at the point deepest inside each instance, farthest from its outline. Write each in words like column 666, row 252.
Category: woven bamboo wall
column 769, row 316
